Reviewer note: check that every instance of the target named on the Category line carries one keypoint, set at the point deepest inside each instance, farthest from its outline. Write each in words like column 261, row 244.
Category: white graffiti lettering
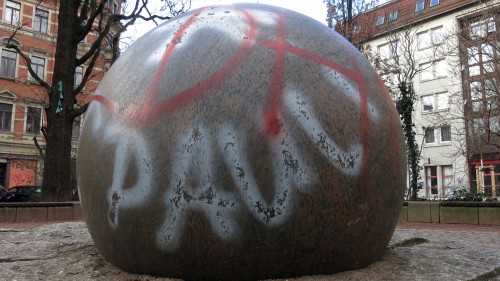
column 131, row 148
column 195, row 151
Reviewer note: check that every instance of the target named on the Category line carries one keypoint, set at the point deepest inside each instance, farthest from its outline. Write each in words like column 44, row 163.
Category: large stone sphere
column 241, row 142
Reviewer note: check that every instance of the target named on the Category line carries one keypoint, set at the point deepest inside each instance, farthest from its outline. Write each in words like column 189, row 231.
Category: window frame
column 419, row 6
column 478, row 126
column 430, row 71
column 435, row 4
column 428, row 38
column 35, row 120
column 6, row 125
column 431, row 104
column 38, row 21
column 380, row 20
column 441, row 134
column 426, row 135
column 393, row 15
column 433, row 37
column 435, row 102
column 429, row 178
column 79, row 75
column 494, row 120
column 37, row 67
column 445, row 176
column 3, row 69
column 13, row 11
column 77, row 127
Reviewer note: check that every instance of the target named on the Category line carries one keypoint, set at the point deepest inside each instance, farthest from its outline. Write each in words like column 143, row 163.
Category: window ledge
column 435, row 111
column 437, row 144
column 15, row 79
column 432, row 79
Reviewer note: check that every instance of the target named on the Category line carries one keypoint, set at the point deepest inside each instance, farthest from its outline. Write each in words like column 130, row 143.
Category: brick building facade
column 453, row 84
column 22, row 99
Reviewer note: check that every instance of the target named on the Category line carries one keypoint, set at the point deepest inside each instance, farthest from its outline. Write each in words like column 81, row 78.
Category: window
column 113, row 8
column 476, row 96
column 429, row 135
column 483, row 95
column 384, row 51
column 490, row 88
column 5, row 116
column 108, row 42
column 480, row 27
column 442, row 101
column 434, row 70
column 487, row 52
column 495, row 124
column 77, row 127
column 431, row 180
column 440, row 68
column 491, row 27
column 41, row 21
column 428, row 103
column 430, row 37
column 8, row 64
column 445, row 134
column 78, row 75
column 380, row 20
column 433, row 102
column 12, row 12
column 447, row 174
column 426, row 72
column 394, row 15
column 423, row 40
column 38, row 65
column 434, row 3
column 437, row 36
column 473, row 55
column 419, row 6
column 478, row 126
column 33, row 120
column 388, row 50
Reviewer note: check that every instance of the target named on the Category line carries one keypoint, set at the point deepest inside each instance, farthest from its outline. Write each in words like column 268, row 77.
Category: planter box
column 489, row 215
column 419, row 211
column 40, row 211
column 465, row 214
column 7, row 214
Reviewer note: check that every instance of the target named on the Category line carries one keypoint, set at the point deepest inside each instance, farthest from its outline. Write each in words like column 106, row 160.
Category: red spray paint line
column 155, row 110
column 275, row 96
column 151, row 111
column 110, row 105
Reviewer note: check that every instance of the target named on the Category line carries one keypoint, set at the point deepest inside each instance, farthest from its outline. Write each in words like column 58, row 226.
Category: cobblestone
column 65, row 251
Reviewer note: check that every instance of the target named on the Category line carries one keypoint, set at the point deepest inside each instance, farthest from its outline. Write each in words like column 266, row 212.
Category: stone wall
column 480, row 213
column 36, row 212
column 483, row 213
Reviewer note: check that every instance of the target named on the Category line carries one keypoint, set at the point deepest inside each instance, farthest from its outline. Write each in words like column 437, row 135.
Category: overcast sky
column 313, row 8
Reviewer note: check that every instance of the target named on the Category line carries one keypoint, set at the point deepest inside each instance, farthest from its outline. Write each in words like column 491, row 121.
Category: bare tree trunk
column 405, row 107
column 57, row 169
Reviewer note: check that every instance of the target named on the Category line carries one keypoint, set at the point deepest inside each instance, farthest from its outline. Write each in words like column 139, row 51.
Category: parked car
column 24, row 193
column 4, row 193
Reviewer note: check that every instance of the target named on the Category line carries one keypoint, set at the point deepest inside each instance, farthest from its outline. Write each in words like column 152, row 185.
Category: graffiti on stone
column 197, row 146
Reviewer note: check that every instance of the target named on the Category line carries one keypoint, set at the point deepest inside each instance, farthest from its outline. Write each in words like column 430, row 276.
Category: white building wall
column 441, row 157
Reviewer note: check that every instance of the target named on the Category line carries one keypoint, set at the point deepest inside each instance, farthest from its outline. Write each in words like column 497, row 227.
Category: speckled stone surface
column 65, row 251
column 241, row 142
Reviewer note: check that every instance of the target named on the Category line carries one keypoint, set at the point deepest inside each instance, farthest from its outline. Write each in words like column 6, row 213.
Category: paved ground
column 64, row 251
